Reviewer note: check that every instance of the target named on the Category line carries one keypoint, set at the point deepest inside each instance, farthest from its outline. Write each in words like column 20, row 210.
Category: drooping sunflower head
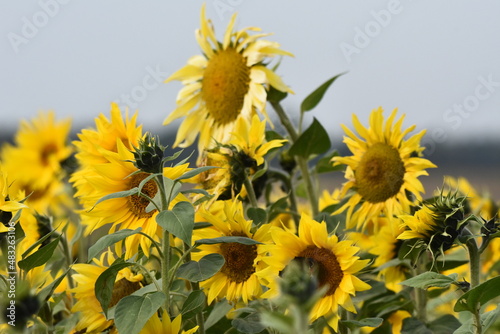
column 229, row 81
column 241, row 157
column 334, row 263
column 240, row 278
column 437, row 223
column 383, row 171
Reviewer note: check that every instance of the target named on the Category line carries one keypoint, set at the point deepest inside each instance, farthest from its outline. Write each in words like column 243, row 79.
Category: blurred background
column 438, row 63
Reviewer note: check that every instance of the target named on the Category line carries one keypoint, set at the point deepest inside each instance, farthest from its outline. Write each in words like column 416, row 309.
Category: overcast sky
column 437, row 61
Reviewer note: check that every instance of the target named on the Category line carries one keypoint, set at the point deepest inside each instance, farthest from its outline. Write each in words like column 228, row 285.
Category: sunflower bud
column 300, row 280
column 149, row 155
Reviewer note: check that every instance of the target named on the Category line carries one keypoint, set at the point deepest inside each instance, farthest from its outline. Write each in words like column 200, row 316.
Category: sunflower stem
column 200, row 319
column 250, row 191
column 165, row 260
column 302, row 162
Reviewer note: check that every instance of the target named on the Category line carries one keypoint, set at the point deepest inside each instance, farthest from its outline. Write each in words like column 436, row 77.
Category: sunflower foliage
column 113, row 233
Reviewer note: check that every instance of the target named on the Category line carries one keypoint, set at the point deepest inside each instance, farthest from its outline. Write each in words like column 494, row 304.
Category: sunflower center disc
column 138, row 204
column 380, row 173
column 329, row 271
column 122, row 288
column 239, row 261
column 225, row 83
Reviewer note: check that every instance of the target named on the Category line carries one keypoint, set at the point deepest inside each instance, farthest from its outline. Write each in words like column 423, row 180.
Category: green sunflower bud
column 149, row 155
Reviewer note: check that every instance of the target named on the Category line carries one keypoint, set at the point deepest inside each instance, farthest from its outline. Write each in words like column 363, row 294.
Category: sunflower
column 35, row 163
column 92, row 318
column 120, row 174
column 335, row 260
column 230, row 80
column 243, row 154
column 437, row 223
column 386, row 248
column 239, row 279
column 40, row 148
column 10, row 203
column 92, row 142
column 383, row 169
column 164, row 325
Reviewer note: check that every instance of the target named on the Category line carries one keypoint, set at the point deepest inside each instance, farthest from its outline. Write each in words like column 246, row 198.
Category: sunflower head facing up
column 437, row 223
column 383, row 171
column 334, row 263
column 230, row 80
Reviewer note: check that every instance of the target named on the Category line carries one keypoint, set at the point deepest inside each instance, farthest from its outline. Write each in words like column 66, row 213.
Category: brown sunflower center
column 380, row 173
column 239, row 265
column 123, row 288
column 138, row 204
column 328, row 268
column 47, row 151
column 225, row 83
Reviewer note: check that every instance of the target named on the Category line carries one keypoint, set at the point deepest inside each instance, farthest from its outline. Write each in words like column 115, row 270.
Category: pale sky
column 437, row 61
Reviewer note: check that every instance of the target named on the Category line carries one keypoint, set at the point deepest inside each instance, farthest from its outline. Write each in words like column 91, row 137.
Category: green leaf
column 414, row 326
column 257, row 215
column 218, row 312
column 179, row 221
column 250, row 324
column 119, row 194
column 40, row 257
column 104, row 284
column 314, row 140
column 367, row 322
column 312, row 100
column 444, row 325
column 194, row 172
column 132, row 312
column 194, row 304
column 325, row 165
column 281, row 322
column 48, row 291
column 208, row 266
column 225, row 240
column 429, row 279
column 473, row 299
column 274, row 95
column 39, row 242
column 108, row 240
column 487, row 319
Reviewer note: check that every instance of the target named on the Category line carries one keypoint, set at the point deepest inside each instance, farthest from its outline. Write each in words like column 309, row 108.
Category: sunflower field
column 117, row 232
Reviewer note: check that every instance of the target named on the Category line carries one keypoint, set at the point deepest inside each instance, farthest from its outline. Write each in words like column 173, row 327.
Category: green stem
column 420, row 294
column 151, row 277
column 67, row 254
column 302, row 162
column 250, row 191
column 165, row 260
column 474, row 259
column 277, row 174
column 200, row 318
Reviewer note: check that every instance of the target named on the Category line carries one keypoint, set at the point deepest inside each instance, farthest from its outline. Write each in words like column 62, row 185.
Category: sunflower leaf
column 473, row 299
column 199, row 271
column 220, row 240
column 367, row 322
column 108, row 240
column 104, row 284
column 314, row 140
column 312, row 100
column 40, row 257
column 324, row 165
column 179, row 221
column 194, row 304
column 194, row 172
column 250, row 324
column 430, row 279
column 119, row 194
column 257, row 215
column 47, row 292
column 218, row 312
column 132, row 312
